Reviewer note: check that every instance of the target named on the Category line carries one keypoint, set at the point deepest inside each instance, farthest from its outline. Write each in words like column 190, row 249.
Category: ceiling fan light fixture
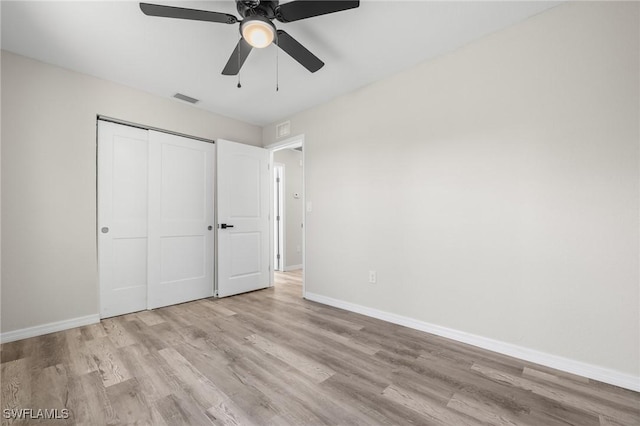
column 257, row 32
column 257, row 29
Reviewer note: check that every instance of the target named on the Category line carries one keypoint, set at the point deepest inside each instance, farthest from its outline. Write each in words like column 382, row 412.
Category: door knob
column 225, row 226
column 104, row 230
column 209, row 227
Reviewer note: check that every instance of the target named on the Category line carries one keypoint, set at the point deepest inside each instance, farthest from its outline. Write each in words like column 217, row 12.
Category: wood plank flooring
column 272, row 358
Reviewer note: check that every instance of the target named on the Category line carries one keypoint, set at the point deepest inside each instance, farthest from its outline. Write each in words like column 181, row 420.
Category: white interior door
column 181, row 219
column 243, row 218
column 122, row 218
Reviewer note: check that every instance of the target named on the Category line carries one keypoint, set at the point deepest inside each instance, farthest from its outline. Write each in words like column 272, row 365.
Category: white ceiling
column 117, row 42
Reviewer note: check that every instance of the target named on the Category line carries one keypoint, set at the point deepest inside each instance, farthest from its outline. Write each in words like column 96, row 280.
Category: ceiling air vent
column 186, row 98
column 283, row 129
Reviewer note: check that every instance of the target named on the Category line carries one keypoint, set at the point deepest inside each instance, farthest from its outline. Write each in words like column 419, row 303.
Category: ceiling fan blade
column 298, row 52
column 303, row 9
column 237, row 58
column 182, row 13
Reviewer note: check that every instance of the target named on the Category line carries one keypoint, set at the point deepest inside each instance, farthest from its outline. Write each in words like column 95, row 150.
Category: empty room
column 307, row 212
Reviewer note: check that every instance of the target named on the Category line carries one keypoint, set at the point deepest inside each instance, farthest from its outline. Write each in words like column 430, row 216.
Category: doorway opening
column 288, row 212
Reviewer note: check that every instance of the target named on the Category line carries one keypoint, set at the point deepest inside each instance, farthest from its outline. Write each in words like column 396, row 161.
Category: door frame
column 281, row 209
column 292, row 142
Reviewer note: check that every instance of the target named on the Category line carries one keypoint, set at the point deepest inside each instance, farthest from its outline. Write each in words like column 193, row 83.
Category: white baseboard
column 52, row 327
column 590, row 371
column 292, row 268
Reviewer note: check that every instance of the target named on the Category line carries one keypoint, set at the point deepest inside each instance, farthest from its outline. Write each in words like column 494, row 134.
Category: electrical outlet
column 373, row 277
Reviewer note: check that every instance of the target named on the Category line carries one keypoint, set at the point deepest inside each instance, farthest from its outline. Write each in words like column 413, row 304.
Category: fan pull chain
column 277, row 69
column 239, row 47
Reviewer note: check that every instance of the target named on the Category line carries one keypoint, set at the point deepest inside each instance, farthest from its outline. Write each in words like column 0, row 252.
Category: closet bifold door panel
column 181, row 219
column 122, row 218
column 155, row 219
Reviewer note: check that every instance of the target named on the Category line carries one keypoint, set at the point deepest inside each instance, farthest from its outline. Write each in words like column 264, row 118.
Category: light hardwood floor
column 270, row 357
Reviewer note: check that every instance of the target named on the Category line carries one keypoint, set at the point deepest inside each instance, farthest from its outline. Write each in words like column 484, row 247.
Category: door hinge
column 277, row 217
column 278, row 257
column 278, row 180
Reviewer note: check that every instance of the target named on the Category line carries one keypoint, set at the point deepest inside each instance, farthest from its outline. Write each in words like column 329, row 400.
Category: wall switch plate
column 373, row 277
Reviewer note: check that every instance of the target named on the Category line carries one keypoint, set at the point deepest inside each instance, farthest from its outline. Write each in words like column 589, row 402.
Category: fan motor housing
column 265, row 8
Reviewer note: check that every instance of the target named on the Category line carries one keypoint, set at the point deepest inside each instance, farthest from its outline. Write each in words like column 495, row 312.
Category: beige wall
column 49, row 267
column 495, row 190
column 293, row 207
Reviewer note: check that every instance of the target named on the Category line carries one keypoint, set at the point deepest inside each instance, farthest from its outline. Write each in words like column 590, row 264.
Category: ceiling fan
column 257, row 29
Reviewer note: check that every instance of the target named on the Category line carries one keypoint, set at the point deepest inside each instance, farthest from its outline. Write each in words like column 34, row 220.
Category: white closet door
column 122, row 218
column 181, row 219
column 243, row 216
